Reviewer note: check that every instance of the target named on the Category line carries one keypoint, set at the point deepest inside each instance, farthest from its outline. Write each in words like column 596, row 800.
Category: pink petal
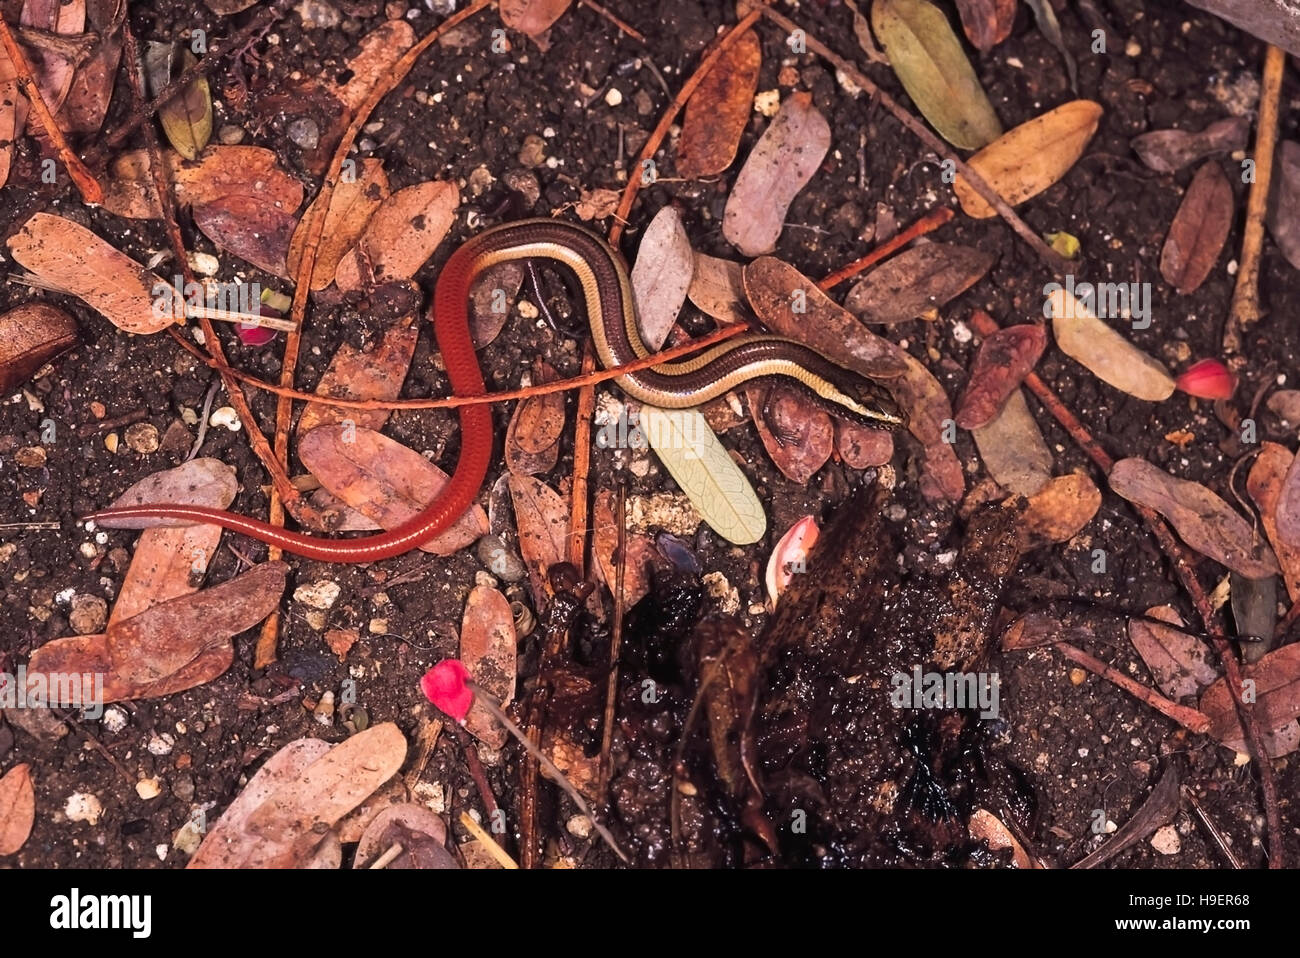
column 789, row 555
column 445, row 685
column 1208, row 379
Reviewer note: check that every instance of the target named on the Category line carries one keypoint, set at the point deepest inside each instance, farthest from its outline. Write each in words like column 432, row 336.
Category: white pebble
column 83, row 807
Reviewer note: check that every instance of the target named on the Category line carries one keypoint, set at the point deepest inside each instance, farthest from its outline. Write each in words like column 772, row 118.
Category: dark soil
column 1084, row 744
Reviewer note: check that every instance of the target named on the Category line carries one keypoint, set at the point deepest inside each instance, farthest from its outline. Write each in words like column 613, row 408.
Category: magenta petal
column 445, row 685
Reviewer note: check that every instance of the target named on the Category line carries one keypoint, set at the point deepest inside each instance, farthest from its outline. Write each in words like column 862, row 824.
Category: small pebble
column 1166, row 840
column 83, row 807
column 614, row 97
column 148, row 788
column 188, row 838
column 226, row 416
column 142, row 437
column 321, row 594
column 324, row 710
column 161, row 744
column 230, row 134
column 31, row 457
column 304, row 133
column 89, row 614
column 114, row 720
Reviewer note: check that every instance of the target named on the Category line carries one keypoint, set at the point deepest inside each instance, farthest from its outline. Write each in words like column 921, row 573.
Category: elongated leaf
column 1277, row 703
column 916, row 280
column 1028, row 159
column 1265, row 483
column 931, row 65
column 401, row 235
column 710, row 478
column 1180, row 663
column 1284, row 203
column 661, row 275
column 1203, row 520
column 487, row 649
column 780, row 165
column 1199, row 230
column 1059, row 511
column 1168, row 151
column 30, row 336
column 1108, row 355
column 17, row 807
column 187, row 117
column 987, row 22
column 719, row 109
column 1005, row 358
column 1013, row 449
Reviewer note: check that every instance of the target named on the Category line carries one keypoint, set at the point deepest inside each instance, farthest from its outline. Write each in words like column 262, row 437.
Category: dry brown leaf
column 1168, row 151
column 220, row 171
column 805, row 434
column 380, row 49
column 71, row 257
column 226, row 843
column 166, row 564
column 718, row 111
column 285, row 824
column 1284, row 202
column 9, row 97
column 421, row 834
column 32, row 335
column 1013, row 449
column 487, row 649
column 250, row 227
column 642, row 557
column 1059, row 511
column 987, row 22
column 17, row 808
column 53, row 72
column 533, row 17
column 199, row 482
column 491, row 298
column 542, row 517
column 1004, row 359
column 351, row 207
column 1028, row 159
column 596, row 204
column 661, row 275
column 1276, row 685
column 1271, row 469
column 916, row 281
column 1107, row 355
column 717, row 288
column 385, row 481
column 403, row 233
column 1203, row 520
column 376, row 372
column 1180, row 663
column 533, row 438
column 1199, row 230
column 780, row 165
column 92, row 84
column 861, row 446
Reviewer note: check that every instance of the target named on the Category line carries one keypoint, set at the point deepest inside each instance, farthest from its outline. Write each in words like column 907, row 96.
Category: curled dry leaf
column 790, row 556
column 92, row 84
column 1277, row 704
column 285, row 829
column 1107, row 355
column 52, row 71
column 403, row 233
column 986, row 22
column 380, row 49
column 71, row 257
column 533, row 438
column 17, row 808
column 421, row 834
column 352, row 205
column 1203, row 520
column 1168, row 151
column 251, row 227
column 934, row 70
column 718, row 111
column 31, row 335
column 199, row 482
column 384, row 480
column 1059, row 511
column 1013, row 449
column 1199, row 230
column 542, row 517
column 491, row 298
column 487, row 649
column 1284, row 202
column 1004, row 359
column 187, row 117
column 780, row 165
column 804, row 433
column 169, row 647
column 220, row 171
column 917, row 280
column 1270, row 471
column 697, row 461
column 861, row 446
column 834, row 331
column 1028, row 159
column 1180, row 663
column 533, row 17
column 717, row 288
column 661, row 275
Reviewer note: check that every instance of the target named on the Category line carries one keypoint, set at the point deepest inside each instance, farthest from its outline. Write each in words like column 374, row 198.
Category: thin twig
column 615, row 641
column 634, row 34
column 926, row 224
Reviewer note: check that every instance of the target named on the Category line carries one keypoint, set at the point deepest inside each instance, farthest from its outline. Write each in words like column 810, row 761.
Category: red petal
column 1208, row 379
column 445, row 686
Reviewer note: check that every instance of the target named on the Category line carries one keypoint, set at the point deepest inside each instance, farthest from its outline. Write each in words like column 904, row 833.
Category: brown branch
column 634, row 34
column 1184, row 568
column 1188, row 718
